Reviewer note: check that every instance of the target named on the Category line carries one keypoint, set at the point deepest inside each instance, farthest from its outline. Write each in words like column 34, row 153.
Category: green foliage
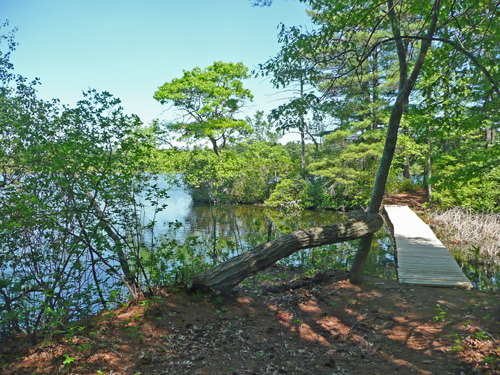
column 463, row 182
column 208, row 176
column 407, row 185
column 68, row 360
column 173, row 261
column 441, row 313
column 246, row 173
column 76, row 181
column 73, row 192
column 290, row 195
column 408, row 149
column 262, row 166
column 347, row 167
column 208, row 101
column 292, row 70
column 260, row 130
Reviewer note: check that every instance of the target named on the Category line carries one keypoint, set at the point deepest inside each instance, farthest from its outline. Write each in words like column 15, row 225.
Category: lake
column 241, row 227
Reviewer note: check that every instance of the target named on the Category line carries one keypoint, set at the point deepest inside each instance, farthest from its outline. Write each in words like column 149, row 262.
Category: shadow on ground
column 333, row 327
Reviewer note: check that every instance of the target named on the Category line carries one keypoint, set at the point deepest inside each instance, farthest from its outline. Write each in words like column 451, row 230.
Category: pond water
column 242, row 227
column 484, row 276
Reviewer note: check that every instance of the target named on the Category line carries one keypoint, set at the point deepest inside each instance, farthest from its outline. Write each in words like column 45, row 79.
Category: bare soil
column 332, row 327
column 413, row 199
column 278, row 322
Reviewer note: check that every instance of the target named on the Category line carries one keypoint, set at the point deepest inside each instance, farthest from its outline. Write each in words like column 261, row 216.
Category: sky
column 130, row 48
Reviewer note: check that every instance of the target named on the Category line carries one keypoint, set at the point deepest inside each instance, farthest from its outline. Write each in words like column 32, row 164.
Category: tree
column 454, row 118
column 335, row 44
column 260, row 129
column 210, row 178
column 208, row 101
column 347, row 167
column 225, row 276
column 74, row 185
column 291, row 70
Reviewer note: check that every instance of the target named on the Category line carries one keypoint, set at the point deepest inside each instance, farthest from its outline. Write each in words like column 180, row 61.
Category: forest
column 384, row 98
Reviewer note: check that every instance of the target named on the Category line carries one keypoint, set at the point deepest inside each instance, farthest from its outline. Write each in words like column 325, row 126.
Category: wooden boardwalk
column 421, row 258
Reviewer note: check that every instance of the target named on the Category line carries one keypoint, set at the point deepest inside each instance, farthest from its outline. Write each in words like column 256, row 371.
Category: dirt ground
column 279, row 322
column 269, row 327
column 413, row 199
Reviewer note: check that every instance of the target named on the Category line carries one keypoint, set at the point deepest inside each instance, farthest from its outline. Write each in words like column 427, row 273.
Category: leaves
column 208, row 101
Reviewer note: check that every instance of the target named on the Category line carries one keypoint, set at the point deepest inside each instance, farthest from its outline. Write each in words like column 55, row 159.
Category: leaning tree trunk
column 224, row 277
column 406, row 85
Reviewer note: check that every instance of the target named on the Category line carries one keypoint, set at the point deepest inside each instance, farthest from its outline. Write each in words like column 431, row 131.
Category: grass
column 465, row 230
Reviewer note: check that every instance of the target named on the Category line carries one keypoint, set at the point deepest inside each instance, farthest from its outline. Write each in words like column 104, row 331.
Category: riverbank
column 271, row 326
column 279, row 321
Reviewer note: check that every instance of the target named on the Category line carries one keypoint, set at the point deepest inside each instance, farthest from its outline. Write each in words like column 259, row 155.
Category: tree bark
column 302, row 131
column 224, row 277
column 427, row 169
column 490, row 136
column 214, row 146
column 406, row 85
column 375, row 91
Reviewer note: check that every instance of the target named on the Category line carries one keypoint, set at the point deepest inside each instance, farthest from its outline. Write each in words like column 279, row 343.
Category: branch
column 459, row 48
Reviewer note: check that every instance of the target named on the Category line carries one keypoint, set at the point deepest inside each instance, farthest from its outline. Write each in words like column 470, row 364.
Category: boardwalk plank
column 421, row 257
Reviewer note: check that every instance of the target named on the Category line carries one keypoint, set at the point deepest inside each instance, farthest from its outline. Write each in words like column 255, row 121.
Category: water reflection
column 241, row 227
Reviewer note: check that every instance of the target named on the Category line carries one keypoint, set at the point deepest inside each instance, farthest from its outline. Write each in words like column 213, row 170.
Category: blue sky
column 129, row 48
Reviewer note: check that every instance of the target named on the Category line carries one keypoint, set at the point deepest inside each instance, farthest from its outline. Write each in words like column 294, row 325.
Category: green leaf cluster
column 208, row 101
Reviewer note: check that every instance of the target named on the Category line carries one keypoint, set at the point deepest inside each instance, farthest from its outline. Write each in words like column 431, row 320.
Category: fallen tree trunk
column 224, row 277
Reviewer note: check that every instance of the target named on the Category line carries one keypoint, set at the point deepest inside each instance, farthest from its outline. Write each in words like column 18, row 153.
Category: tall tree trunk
column 270, row 227
column 446, row 146
column 375, row 90
column 213, row 213
column 406, row 131
column 214, row 146
column 406, row 169
column 446, row 142
column 302, row 130
column 405, row 87
column 427, row 169
column 489, row 136
column 303, row 148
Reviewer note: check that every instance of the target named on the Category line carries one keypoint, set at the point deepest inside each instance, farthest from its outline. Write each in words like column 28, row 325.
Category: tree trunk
column 446, row 146
column 227, row 275
column 302, row 131
column 213, row 213
column 132, row 283
column 489, row 137
column 405, row 87
column 303, row 147
column 406, row 131
column 375, row 91
column 270, row 227
column 406, row 169
column 214, row 146
column 427, row 169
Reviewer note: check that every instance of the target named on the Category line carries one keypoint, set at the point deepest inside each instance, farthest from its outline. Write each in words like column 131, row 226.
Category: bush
column 290, row 195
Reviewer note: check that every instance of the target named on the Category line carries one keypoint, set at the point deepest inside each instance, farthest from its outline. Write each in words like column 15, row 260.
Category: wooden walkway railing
column 421, row 258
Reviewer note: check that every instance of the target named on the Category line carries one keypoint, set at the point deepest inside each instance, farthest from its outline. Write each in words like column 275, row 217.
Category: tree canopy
column 208, row 101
